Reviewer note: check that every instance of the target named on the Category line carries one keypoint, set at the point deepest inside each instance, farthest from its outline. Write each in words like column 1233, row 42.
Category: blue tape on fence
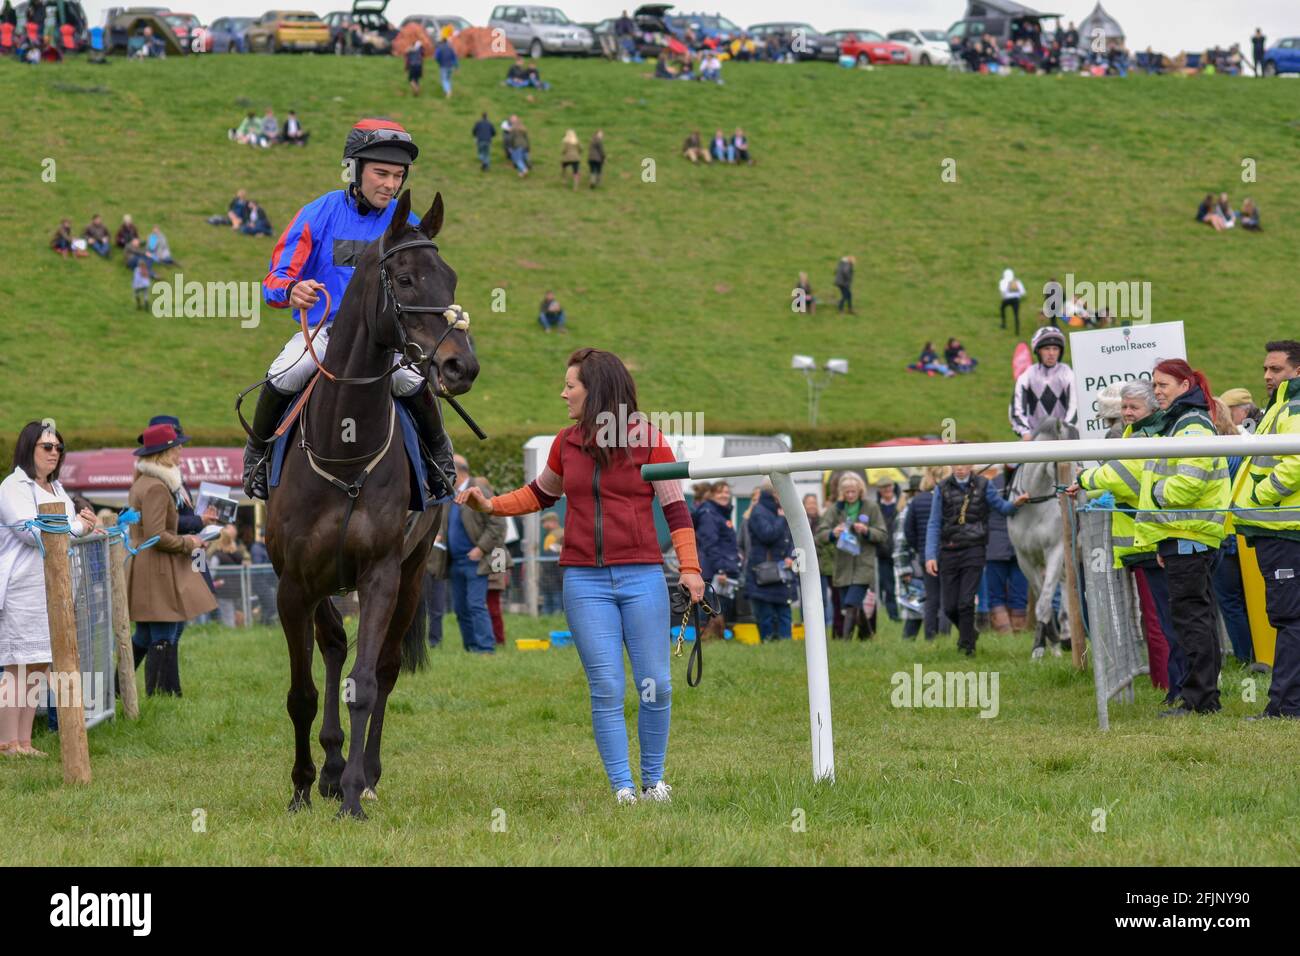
column 50, row 524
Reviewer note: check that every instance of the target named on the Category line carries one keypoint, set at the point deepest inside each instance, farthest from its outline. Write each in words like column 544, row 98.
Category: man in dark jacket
column 918, row 518
column 715, row 538
column 462, row 553
column 955, row 540
column 1257, row 46
column 844, row 282
column 483, row 133
column 770, row 544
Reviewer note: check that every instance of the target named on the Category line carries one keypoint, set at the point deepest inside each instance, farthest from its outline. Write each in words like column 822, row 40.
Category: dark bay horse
column 354, row 467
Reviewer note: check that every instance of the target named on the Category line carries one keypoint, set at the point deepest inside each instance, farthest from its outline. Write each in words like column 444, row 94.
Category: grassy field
column 688, row 276
column 474, row 741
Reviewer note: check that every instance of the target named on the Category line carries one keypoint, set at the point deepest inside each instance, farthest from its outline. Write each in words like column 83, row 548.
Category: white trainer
column 659, row 793
column 626, row 795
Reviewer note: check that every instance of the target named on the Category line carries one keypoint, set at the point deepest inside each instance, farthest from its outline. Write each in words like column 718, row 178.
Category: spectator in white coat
column 1012, row 292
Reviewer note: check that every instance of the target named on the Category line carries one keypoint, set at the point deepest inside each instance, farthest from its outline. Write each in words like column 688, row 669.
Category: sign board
column 1102, row 357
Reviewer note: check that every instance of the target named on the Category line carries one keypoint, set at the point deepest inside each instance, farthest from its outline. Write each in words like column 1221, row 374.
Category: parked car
column 715, row 29
column 277, row 31
column 652, row 34
column 1282, row 57
column 924, row 47
column 433, row 23
column 188, row 28
column 802, row 39
column 457, row 23
column 538, row 30
column 999, row 25
column 364, row 29
column 870, row 48
column 226, row 34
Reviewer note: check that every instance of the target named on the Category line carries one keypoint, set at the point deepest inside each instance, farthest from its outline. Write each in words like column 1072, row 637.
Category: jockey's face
column 1168, row 388
column 1049, row 355
column 380, row 183
column 1133, row 410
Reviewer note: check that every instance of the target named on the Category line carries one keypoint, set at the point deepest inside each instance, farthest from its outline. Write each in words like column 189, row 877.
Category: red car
column 869, row 47
column 188, row 30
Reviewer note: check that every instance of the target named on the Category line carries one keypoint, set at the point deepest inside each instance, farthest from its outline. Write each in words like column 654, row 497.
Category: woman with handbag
column 768, row 577
column 857, row 527
column 615, row 593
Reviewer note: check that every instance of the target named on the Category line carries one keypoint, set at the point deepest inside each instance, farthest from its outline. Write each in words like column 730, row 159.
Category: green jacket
column 1123, row 479
column 1266, row 485
column 1194, row 484
column 847, row 569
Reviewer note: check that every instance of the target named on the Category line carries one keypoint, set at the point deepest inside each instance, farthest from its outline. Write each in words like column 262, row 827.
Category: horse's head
column 417, row 289
column 1053, row 429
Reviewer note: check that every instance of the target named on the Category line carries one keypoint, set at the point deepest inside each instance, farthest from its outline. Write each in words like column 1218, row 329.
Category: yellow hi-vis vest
column 1194, row 484
column 1267, row 486
column 1123, row 479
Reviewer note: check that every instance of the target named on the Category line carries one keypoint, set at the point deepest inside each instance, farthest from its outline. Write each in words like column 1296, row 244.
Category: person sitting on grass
column 693, row 149
column 134, row 252
column 248, row 132
column 662, row 69
column 740, row 147
column 550, row 314
column 956, row 358
column 534, row 77
column 97, row 237
column 1249, row 215
column 711, row 68
column 1225, row 210
column 126, row 232
column 62, row 241
column 722, row 149
column 517, row 75
column 159, row 249
column 1208, row 213
column 293, row 133
column 929, row 363
column 236, row 212
column 256, row 224
column 270, row 129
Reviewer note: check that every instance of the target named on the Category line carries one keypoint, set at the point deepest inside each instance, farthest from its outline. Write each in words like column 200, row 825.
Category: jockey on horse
column 319, row 251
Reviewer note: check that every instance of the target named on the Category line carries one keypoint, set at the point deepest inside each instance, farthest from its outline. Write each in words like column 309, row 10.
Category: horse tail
column 415, row 650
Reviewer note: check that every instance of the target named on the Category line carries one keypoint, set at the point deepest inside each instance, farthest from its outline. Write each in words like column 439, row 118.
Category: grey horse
column 1036, row 534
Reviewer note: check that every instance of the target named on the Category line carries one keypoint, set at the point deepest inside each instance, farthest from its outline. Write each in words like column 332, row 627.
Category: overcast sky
column 1166, row 25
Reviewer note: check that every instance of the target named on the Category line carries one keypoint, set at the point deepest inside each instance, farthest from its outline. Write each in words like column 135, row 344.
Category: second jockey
column 319, row 251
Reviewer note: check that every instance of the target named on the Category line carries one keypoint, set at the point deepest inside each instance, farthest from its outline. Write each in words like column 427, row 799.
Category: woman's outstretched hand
column 474, row 498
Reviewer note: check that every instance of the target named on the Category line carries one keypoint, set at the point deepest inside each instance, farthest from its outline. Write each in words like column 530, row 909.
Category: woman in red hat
column 164, row 583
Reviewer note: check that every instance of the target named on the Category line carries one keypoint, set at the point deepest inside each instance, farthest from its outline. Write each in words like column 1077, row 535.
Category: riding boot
column 153, row 669
column 866, row 626
column 850, row 622
column 435, row 443
column 271, row 406
column 172, row 670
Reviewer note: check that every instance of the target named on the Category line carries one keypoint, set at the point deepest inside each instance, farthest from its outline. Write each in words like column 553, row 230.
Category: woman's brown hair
column 611, row 398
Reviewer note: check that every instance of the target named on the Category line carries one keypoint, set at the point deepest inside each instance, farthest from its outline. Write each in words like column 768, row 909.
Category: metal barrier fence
column 92, row 596
column 1116, row 639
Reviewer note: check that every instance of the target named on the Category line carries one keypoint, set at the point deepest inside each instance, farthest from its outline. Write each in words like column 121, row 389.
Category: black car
column 801, row 39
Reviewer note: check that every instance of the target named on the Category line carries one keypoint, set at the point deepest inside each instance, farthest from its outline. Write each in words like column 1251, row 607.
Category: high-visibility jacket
column 1268, row 486
column 1177, row 493
column 1123, row 479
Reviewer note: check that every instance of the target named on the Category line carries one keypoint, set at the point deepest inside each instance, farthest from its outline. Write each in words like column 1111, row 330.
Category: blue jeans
column 1232, row 604
column 445, row 72
column 551, row 320
column 149, row 633
column 519, row 156
column 607, row 608
column 725, row 154
column 484, row 152
column 773, row 619
column 1006, row 585
column 469, row 601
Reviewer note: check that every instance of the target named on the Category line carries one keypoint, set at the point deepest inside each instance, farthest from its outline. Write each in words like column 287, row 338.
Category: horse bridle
column 457, row 318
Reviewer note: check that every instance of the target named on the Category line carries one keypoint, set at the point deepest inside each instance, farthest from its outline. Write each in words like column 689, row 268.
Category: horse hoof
column 1056, row 650
column 350, row 813
column 300, row 801
column 369, row 794
column 331, row 790
column 1037, row 654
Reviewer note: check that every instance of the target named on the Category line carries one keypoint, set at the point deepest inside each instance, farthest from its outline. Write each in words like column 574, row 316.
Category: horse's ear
column 400, row 215
column 431, row 224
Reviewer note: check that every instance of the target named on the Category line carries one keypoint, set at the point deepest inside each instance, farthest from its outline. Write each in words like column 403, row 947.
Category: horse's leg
column 295, row 616
column 1032, row 570
column 333, row 641
column 1052, row 577
column 377, row 591
column 390, row 662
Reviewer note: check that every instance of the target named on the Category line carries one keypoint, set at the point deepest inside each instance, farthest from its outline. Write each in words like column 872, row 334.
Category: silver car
column 538, row 30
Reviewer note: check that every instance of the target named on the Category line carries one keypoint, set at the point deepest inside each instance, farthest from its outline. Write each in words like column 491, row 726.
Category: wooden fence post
column 65, row 675
column 126, row 688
